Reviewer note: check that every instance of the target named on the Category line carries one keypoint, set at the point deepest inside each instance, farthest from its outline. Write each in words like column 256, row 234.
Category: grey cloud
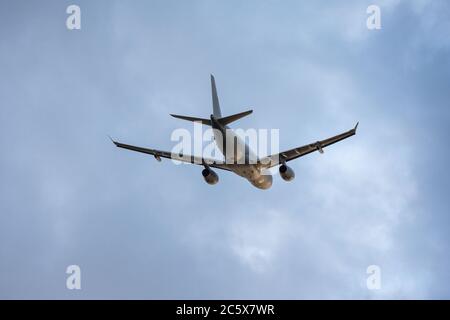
column 142, row 229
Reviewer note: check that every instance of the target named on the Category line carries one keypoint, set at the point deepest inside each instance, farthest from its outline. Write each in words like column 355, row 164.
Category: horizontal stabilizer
column 234, row 117
column 206, row 122
column 223, row 121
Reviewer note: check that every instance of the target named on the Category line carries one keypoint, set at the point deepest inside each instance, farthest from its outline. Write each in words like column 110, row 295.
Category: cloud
column 143, row 229
column 257, row 239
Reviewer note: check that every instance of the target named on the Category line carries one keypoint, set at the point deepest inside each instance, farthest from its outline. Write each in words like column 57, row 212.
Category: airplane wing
column 179, row 157
column 295, row 153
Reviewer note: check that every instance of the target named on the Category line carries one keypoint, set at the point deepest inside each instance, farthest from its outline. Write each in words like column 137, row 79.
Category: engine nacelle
column 210, row 176
column 286, row 173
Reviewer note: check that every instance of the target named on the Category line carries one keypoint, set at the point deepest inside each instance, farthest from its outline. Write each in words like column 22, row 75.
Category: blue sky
column 143, row 229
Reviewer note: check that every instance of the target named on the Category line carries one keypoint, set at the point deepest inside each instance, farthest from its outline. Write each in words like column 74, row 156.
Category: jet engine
column 210, row 176
column 286, row 173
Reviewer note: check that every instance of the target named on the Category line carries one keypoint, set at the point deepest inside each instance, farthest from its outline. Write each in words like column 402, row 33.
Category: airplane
column 237, row 161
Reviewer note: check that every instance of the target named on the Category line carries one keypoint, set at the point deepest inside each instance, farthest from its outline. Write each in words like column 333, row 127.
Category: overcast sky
column 143, row 229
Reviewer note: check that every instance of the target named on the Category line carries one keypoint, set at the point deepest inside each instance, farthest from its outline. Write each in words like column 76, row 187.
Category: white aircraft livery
column 240, row 159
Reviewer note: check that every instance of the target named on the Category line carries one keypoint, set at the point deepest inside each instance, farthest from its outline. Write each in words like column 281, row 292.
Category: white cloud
column 257, row 238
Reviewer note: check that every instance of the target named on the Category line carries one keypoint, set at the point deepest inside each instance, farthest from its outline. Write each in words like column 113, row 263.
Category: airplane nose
column 265, row 183
column 269, row 181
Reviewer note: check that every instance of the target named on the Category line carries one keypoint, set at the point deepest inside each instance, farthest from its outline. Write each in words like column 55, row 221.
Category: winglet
column 115, row 143
column 356, row 127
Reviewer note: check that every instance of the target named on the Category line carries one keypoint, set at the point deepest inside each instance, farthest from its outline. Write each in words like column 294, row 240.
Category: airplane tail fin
column 215, row 99
column 216, row 111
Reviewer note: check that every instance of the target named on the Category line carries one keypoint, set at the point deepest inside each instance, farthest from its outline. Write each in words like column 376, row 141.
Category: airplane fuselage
column 239, row 158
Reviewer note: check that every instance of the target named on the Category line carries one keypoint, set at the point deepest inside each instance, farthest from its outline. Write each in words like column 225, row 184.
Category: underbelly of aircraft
column 254, row 176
